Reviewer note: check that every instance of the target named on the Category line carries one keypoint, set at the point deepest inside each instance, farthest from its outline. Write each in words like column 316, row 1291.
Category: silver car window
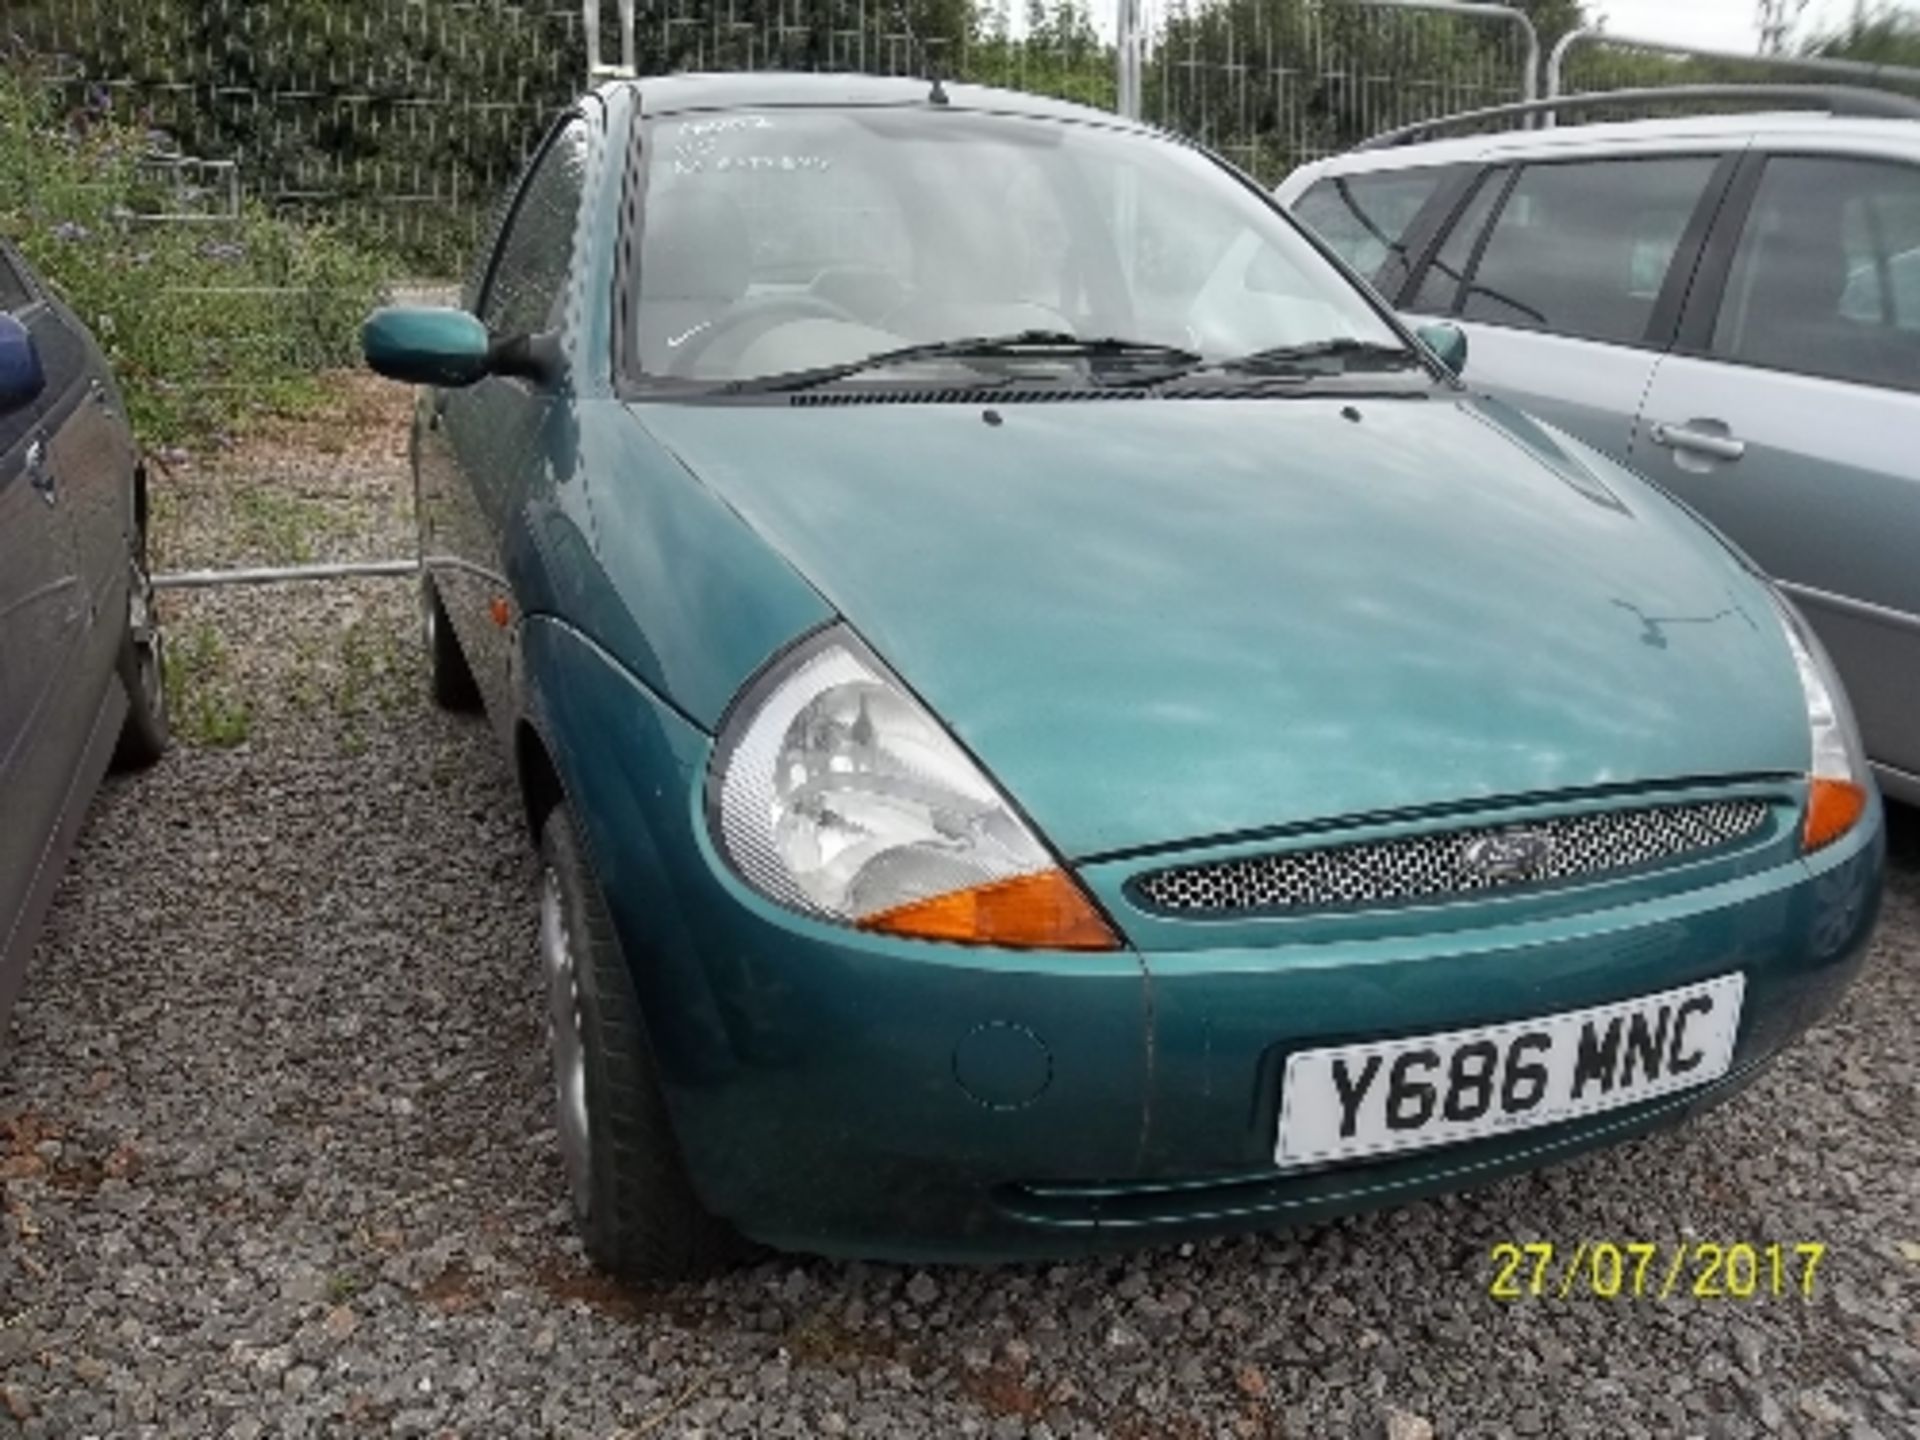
column 1365, row 218
column 1826, row 278
column 1583, row 248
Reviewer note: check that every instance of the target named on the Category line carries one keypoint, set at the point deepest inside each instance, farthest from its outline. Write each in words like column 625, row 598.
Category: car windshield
column 789, row 240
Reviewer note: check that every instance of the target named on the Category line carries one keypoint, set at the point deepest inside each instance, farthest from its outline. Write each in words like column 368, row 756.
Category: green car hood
column 1162, row 620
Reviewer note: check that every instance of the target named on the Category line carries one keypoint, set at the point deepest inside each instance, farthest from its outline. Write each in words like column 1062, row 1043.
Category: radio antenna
column 937, row 91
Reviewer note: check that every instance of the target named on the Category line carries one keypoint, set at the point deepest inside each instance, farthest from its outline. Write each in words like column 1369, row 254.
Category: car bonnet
column 1167, row 620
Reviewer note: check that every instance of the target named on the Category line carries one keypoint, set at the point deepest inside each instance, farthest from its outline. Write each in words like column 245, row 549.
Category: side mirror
column 21, row 378
column 426, row 345
column 1448, row 342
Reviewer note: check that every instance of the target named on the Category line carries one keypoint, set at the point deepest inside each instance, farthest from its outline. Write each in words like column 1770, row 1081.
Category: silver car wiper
column 1018, row 345
column 1292, row 359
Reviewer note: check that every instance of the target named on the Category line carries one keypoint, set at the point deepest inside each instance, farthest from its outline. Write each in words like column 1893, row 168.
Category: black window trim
column 1709, row 293
column 1662, row 322
column 1498, row 173
column 1436, row 217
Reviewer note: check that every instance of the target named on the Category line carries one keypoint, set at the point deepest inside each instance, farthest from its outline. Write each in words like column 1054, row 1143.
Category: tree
column 1890, row 38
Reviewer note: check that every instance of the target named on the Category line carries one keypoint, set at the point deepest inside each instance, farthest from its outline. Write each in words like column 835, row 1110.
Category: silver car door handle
column 1679, row 437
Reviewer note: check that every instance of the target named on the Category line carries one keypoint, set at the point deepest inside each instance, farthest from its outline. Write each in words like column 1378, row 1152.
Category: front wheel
column 632, row 1196
column 449, row 677
column 142, row 669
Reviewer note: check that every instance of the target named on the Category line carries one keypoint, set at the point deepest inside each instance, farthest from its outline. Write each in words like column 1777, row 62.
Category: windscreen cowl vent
column 1026, row 395
column 968, row 395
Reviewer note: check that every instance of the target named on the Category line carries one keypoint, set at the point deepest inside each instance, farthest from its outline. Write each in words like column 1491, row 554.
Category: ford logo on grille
column 1509, row 855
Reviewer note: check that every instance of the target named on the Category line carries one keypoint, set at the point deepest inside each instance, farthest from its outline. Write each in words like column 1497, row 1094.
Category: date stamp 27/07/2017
column 1653, row 1270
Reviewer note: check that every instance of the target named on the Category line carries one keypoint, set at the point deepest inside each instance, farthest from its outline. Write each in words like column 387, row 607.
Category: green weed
column 203, row 698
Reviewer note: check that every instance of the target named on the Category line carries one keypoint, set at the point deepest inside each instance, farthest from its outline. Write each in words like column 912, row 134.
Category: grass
column 359, row 673
column 378, row 674
column 278, row 526
column 203, row 696
column 205, row 324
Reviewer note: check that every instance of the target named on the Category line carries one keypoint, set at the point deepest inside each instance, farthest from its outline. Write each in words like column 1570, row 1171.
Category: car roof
column 752, row 90
column 1628, row 134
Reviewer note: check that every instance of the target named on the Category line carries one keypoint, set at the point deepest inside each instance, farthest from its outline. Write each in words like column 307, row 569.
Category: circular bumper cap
column 1002, row 1065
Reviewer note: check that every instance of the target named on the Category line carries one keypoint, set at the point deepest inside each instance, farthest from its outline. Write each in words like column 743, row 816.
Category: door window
column 1583, row 248
column 1826, row 278
column 1365, row 218
column 529, row 277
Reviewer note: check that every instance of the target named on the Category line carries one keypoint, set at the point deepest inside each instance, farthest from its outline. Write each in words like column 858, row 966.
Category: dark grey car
column 1730, row 304
column 80, row 673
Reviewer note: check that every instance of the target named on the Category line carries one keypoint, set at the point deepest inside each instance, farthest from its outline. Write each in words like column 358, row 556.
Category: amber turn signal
column 1045, row 911
column 1832, row 808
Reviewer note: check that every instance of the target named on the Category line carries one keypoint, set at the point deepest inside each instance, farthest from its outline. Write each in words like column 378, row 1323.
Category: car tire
column 633, row 1199
column 449, row 677
column 142, row 669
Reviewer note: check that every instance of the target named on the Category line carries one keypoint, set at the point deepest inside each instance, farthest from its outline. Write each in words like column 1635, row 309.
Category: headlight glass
column 1838, row 775
column 834, row 791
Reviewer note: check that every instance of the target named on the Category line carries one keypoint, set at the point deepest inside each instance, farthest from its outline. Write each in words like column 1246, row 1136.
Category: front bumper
column 857, row 1095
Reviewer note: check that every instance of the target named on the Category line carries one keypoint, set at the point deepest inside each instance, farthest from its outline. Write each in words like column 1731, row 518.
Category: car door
column 1565, row 274
column 44, row 621
column 482, row 447
column 1789, row 412
column 91, row 451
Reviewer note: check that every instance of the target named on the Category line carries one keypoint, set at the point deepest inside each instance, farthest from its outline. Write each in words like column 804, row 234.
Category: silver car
column 1730, row 304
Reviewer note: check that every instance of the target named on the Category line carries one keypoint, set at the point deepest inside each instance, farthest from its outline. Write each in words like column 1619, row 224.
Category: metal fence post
column 1529, row 82
column 1127, row 66
column 590, row 20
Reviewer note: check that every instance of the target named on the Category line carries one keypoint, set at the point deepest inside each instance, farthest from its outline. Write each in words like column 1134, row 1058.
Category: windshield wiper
column 1295, row 359
column 1019, row 345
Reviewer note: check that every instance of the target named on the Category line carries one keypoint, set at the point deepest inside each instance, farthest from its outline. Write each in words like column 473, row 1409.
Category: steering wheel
column 860, row 290
column 931, row 316
column 768, row 311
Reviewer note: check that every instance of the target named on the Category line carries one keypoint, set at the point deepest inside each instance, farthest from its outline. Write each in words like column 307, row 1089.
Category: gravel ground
column 276, row 1155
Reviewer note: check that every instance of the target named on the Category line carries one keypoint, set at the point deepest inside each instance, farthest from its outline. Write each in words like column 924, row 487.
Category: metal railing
column 282, row 574
column 1827, row 99
column 1629, row 62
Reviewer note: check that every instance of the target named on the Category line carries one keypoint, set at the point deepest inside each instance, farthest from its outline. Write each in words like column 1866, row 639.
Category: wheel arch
column 142, row 504
column 537, row 776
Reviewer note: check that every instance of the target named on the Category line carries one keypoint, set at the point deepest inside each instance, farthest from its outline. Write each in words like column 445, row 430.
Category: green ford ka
column 1051, row 721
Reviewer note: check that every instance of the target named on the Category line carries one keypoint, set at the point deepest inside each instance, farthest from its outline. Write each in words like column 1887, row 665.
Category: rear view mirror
column 426, row 345
column 1448, row 342
column 21, row 378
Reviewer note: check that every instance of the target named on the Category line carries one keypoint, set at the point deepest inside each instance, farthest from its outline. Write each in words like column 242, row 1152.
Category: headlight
column 833, row 791
column 1838, row 777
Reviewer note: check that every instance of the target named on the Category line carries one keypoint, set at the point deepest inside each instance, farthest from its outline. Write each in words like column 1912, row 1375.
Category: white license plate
column 1352, row 1100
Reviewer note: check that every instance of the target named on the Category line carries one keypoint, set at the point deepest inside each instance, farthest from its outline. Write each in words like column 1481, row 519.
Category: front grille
column 1453, row 862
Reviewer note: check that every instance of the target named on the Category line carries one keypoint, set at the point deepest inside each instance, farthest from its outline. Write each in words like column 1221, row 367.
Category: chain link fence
column 401, row 121
column 397, row 121
column 395, row 126
column 1272, row 85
